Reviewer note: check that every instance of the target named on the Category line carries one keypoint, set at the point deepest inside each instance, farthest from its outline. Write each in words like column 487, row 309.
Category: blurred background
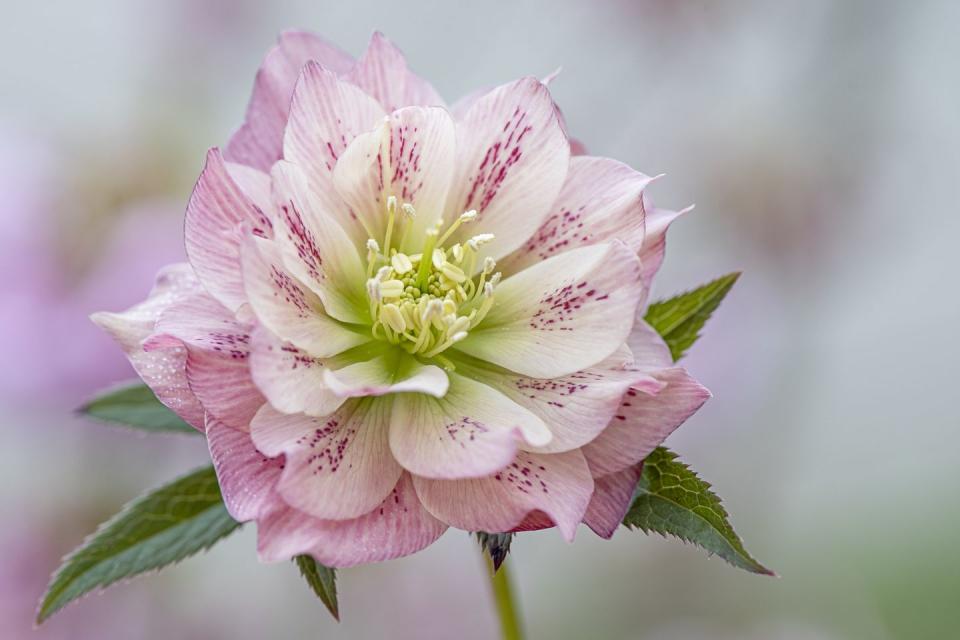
column 819, row 141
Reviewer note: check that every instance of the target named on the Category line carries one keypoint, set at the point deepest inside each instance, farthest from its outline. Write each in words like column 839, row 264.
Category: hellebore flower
column 399, row 317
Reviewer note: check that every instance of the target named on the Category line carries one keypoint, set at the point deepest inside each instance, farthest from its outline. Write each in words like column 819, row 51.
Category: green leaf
column 134, row 405
column 160, row 528
column 497, row 545
column 679, row 319
column 671, row 500
column 323, row 581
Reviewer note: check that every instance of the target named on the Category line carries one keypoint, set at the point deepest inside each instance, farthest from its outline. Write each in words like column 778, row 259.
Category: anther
column 401, row 263
column 391, row 316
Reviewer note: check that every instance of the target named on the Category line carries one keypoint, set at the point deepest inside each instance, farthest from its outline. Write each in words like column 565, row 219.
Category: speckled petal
column 472, row 431
column 397, row 527
column 562, row 315
column 557, row 484
column 259, row 142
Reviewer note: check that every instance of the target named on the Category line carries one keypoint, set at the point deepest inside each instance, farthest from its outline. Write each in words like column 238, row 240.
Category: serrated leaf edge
column 42, row 616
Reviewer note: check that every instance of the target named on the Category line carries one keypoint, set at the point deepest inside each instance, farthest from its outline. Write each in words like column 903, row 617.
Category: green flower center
column 429, row 301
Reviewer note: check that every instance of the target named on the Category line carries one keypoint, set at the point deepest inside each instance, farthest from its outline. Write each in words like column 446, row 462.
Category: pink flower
column 399, row 317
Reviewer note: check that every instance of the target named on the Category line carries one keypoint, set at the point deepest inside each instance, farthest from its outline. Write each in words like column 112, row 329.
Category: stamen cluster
column 428, row 301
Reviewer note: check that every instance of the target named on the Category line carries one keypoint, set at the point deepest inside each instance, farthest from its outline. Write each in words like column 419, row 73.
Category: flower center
column 427, row 302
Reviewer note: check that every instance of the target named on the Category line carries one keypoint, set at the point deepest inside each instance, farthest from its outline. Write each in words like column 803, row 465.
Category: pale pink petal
column 326, row 114
column 601, row 201
column 246, row 476
column 382, row 72
column 411, row 156
column 575, row 407
column 655, row 240
column 561, row 315
column 163, row 370
column 259, row 142
column 291, row 379
column 217, row 350
column 398, row 527
column 287, row 307
column 472, row 431
column 255, row 184
column 337, row 467
column 557, row 484
column 461, row 107
column 577, row 148
column 612, row 497
column 650, row 352
column 316, row 249
column 390, row 373
column 512, row 158
column 644, row 421
column 274, row 433
column 217, row 214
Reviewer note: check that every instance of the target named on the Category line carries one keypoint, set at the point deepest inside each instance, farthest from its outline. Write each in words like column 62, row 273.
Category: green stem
column 507, row 610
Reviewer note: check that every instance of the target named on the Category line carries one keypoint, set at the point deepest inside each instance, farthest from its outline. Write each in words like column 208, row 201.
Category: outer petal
column 217, row 213
column 512, row 160
column 643, row 422
column 612, row 497
column 398, row 527
column 559, row 484
column 650, row 353
column 471, row 432
column 411, row 156
column 325, row 116
column 316, row 249
column 163, row 370
column 259, row 142
column 246, row 476
column 601, row 201
column 339, row 467
column 575, row 407
column 655, row 240
column 291, row 379
column 289, row 309
column 217, row 351
column 382, row 72
column 561, row 315
column 254, row 183
column 389, row 373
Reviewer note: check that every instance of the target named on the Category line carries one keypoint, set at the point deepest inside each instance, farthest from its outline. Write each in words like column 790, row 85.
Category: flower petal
column 326, row 114
column 162, row 370
column 338, row 467
column 246, row 476
column 561, row 315
column 398, row 527
column 388, row 373
column 472, row 431
column 601, row 200
column 512, row 158
column 644, row 421
column 217, row 350
column 254, row 183
column 410, row 155
column 291, row 379
column 217, row 213
column 383, row 73
column 575, row 407
column 558, row 484
column 650, row 352
column 288, row 308
column 316, row 249
column 612, row 497
column 259, row 142
column 655, row 239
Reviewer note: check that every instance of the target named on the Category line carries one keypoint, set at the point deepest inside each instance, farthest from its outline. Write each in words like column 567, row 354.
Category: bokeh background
column 819, row 140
